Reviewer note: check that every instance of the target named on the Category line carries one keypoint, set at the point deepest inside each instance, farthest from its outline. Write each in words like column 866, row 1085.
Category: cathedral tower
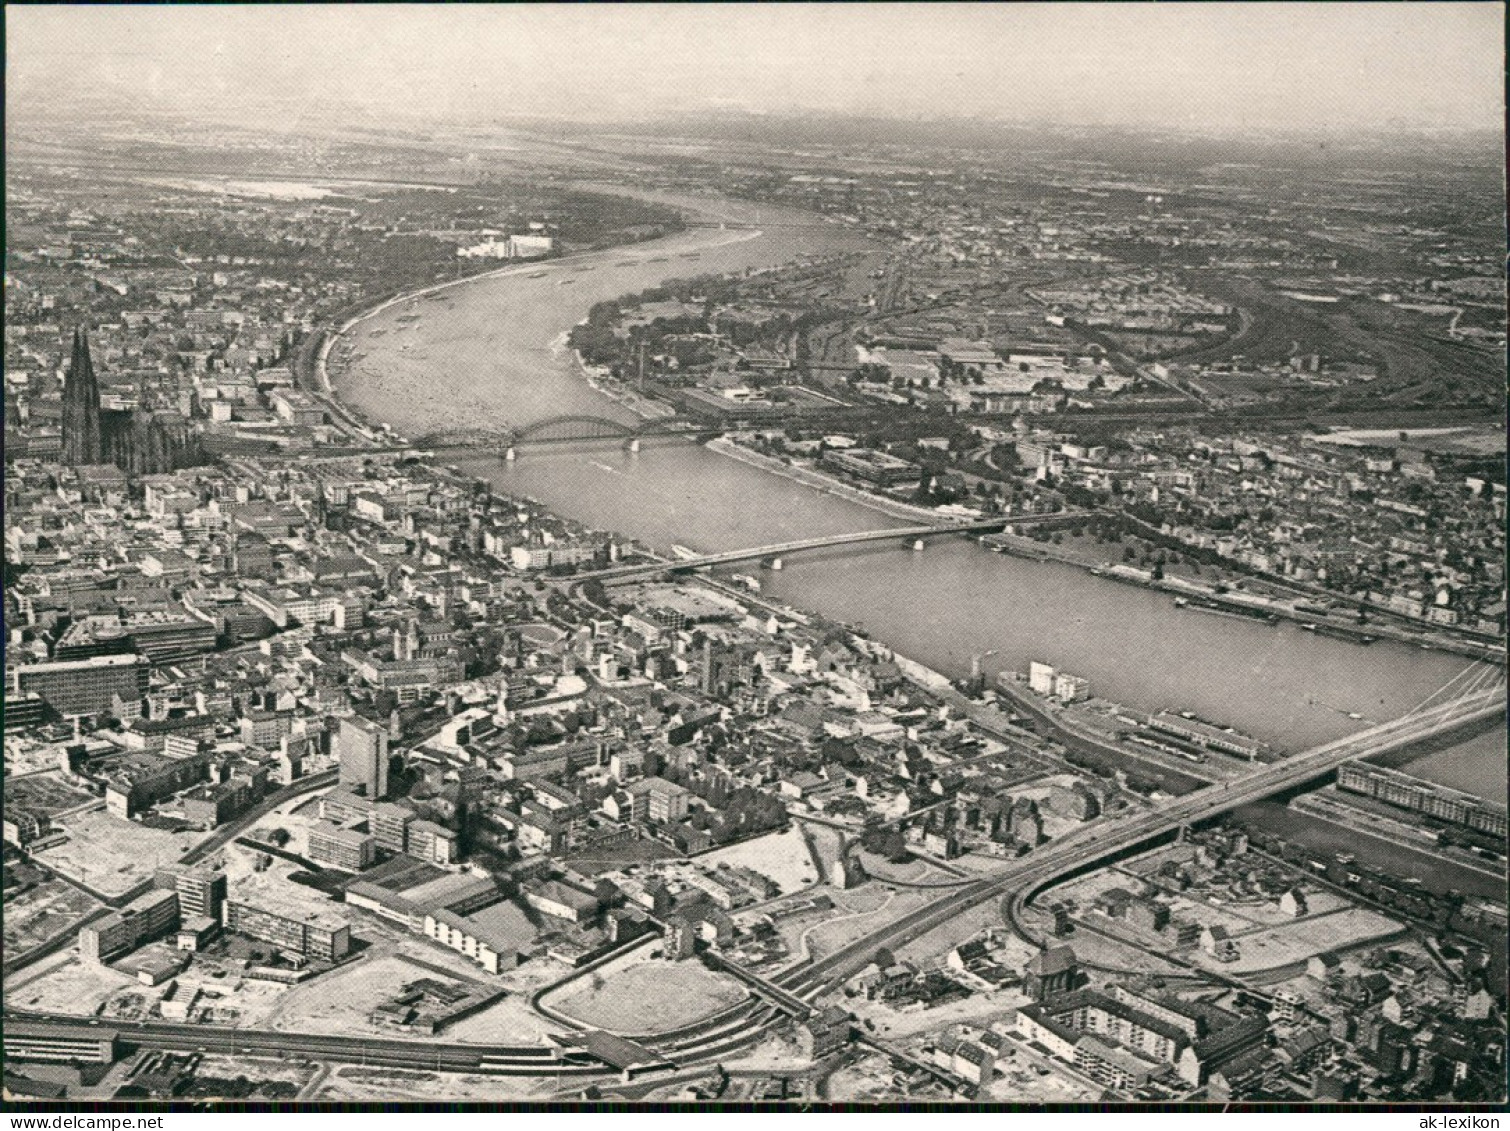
column 81, row 407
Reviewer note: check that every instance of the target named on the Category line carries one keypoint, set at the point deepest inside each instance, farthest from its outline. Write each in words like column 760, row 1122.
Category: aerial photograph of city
column 736, row 556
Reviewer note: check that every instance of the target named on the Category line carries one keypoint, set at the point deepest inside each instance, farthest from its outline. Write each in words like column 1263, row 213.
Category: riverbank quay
column 821, row 482
column 1225, row 600
column 1093, row 746
column 1326, row 806
column 500, row 357
column 1197, row 597
column 320, row 371
column 646, row 408
column 1382, row 624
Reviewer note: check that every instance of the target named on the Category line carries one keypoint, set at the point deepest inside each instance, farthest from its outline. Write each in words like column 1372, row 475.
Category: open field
column 827, row 931
column 638, row 994
column 781, row 856
column 1465, row 440
column 67, row 986
column 43, row 793
column 380, row 1085
column 508, row 1021
column 923, row 951
column 35, row 916
column 343, row 1001
column 853, row 914
column 1282, row 946
column 1107, row 953
column 112, row 855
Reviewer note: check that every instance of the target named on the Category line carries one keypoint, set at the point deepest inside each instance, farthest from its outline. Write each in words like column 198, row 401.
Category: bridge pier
column 509, row 456
column 634, row 444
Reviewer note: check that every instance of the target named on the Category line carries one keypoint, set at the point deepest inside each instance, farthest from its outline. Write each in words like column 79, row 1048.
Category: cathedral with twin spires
column 139, row 442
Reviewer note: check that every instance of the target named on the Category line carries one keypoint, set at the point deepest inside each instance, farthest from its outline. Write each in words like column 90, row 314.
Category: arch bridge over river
column 563, row 429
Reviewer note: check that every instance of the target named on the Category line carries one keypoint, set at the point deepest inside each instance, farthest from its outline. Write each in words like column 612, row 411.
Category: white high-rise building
column 364, row 757
column 1041, row 678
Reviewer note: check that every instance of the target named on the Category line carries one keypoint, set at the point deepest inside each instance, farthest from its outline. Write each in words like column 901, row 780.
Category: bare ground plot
column 296, row 822
column 595, row 863
column 67, row 986
column 1022, row 1084
column 268, row 1078
column 638, row 994
column 1098, row 951
column 298, row 1072
column 1235, row 917
column 851, row 916
column 234, row 1000
column 980, row 1008
column 1318, row 901
column 342, row 1002
column 431, row 953
column 1282, row 946
column 509, row 1021
column 781, row 856
column 112, row 855
column 927, row 949
column 828, row 931
column 43, row 793
column 867, row 1081
column 351, row 1082
column 1083, row 891
column 37, row 915
column 777, row 1053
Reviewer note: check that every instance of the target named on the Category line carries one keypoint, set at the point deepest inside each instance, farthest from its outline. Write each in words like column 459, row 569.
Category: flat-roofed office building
column 85, row 687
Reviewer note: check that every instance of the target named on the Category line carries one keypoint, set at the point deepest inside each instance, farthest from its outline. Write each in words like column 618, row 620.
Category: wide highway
column 1099, row 840
column 745, row 1024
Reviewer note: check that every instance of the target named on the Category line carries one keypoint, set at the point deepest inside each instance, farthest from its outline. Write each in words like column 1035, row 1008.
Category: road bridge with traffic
column 1099, row 841
column 783, row 549
column 792, row 992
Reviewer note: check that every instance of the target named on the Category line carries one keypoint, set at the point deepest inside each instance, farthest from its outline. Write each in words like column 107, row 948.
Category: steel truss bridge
column 564, row 429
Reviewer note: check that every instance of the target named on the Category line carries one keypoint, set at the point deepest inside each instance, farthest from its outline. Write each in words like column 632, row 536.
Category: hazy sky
column 1201, row 64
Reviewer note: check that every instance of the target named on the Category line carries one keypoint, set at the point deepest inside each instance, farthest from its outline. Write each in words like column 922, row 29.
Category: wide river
column 490, row 353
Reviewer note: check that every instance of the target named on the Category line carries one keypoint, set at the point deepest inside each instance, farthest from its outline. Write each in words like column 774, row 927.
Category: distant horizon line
column 359, row 116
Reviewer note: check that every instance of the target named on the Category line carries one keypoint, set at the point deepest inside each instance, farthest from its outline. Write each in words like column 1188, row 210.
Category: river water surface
column 490, row 353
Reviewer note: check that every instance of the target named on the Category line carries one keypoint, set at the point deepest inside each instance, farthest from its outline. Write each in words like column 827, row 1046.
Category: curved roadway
column 793, row 991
